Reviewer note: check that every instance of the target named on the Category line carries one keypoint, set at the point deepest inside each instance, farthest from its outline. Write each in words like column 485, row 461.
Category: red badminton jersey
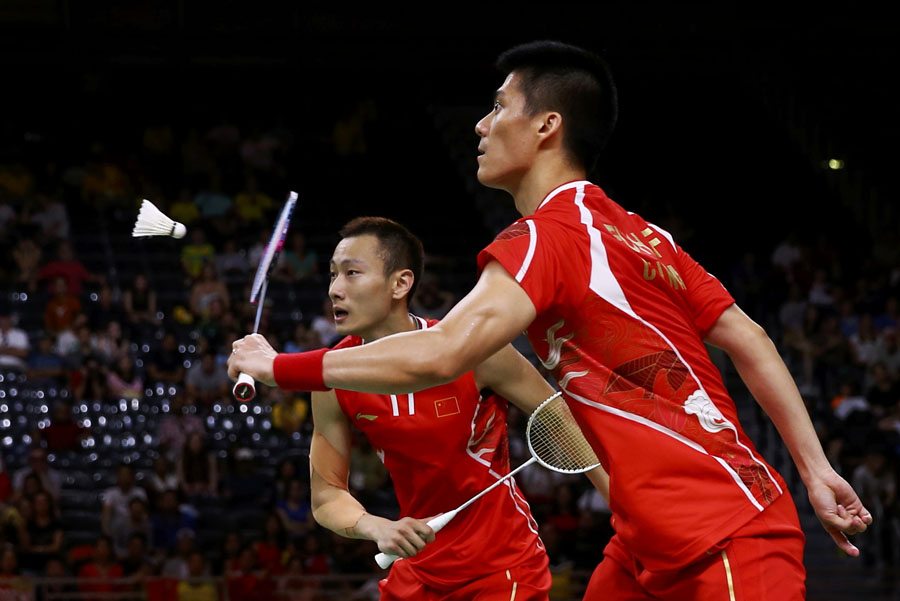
column 442, row 446
column 621, row 315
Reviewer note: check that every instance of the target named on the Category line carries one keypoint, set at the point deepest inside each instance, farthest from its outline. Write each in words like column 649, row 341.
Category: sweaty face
column 508, row 138
column 360, row 292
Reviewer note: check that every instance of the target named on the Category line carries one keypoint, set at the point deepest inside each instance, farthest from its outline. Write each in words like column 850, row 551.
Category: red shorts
column 761, row 560
column 526, row 582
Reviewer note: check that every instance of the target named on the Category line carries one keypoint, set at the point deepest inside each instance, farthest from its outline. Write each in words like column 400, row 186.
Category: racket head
column 555, row 440
column 276, row 242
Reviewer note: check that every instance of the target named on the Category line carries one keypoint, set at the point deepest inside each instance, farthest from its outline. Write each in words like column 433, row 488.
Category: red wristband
column 300, row 371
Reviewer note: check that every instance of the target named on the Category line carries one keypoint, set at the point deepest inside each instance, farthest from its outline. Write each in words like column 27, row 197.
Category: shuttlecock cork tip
column 178, row 231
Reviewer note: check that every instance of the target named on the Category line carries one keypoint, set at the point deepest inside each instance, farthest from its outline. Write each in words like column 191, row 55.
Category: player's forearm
column 766, row 376
column 338, row 510
column 396, row 364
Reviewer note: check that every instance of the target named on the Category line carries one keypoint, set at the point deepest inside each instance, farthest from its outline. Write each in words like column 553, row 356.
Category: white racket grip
column 244, row 389
column 384, row 560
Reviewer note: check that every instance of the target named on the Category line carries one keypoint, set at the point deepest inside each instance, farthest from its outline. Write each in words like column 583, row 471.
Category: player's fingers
column 407, row 549
column 424, row 530
column 841, row 540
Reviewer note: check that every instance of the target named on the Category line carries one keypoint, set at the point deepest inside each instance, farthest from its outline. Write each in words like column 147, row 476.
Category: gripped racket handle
column 384, row 560
column 244, row 389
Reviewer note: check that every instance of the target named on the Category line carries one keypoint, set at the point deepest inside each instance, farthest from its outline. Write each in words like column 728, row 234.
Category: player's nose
column 481, row 128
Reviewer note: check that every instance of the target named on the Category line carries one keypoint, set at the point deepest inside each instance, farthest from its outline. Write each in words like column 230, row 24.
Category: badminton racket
column 245, row 387
column 554, row 440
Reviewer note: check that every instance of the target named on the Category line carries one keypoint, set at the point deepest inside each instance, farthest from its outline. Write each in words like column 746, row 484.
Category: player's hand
column 403, row 538
column 254, row 356
column 839, row 509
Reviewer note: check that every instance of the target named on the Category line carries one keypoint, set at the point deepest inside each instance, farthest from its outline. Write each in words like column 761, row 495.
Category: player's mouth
column 340, row 315
column 481, row 152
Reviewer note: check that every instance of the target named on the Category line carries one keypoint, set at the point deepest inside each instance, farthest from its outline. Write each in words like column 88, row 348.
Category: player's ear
column 402, row 282
column 550, row 125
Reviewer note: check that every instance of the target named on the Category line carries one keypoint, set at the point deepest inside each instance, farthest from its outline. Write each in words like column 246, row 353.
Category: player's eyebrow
column 345, row 262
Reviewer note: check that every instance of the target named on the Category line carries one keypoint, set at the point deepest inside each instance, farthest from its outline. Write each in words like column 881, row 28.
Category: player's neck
column 539, row 181
column 398, row 321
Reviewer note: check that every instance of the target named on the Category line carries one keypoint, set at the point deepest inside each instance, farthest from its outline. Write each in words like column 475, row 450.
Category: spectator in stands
column 109, row 345
column 877, row 488
column 270, row 549
column 123, row 381
column 244, row 487
column 315, row 560
column 232, row 262
column 295, row 512
column 252, row 206
column 14, row 343
column 161, row 479
column 213, row 202
column 206, row 382
column 101, row 567
column 284, row 475
column 63, row 434
column 50, row 479
column 323, row 324
column 890, row 317
column 194, row 590
column 136, row 522
column 304, row 340
column 166, row 364
column 214, row 325
column 43, row 363
column 139, row 301
column 865, row 342
column 89, row 381
column 184, row 210
column 206, row 289
column 13, row 518
column 197, row 470
column 56, row 570
column 889, row 352
column 13, row 584
column 27, row 257
column 176, row 566
column 62, row 308
column 177, row 425
column 75, row 344
column 297, row 262
column 49, row 215
column 137, row 561
column 116, row 500
column 69, row 268
column 104, row 310
column 249, row 583
column 231, row 554
column 168, row 520
column 44, row 538
column 6, row 489
column 196, row 254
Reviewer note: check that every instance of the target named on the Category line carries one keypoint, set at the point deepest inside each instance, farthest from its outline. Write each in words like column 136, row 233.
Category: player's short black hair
column 400, row 248
column 577, row 84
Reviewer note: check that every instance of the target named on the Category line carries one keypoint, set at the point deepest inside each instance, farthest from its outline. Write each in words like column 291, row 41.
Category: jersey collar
column 562, row 188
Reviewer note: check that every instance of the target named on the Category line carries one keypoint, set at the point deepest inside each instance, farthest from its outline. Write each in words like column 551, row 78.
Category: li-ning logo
column 361, row 415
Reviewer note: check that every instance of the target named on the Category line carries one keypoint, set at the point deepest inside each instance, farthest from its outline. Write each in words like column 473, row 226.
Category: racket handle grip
column 384, row 560
column 244, row 389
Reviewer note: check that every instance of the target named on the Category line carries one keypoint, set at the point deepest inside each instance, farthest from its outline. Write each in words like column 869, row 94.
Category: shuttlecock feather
column 153, row 222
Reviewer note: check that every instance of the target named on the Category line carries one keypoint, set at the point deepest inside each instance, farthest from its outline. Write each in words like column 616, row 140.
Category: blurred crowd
column 100, row 318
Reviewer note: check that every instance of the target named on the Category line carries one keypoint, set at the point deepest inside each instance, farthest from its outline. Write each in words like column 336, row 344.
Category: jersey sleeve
column 528, row 250
column 707, row 298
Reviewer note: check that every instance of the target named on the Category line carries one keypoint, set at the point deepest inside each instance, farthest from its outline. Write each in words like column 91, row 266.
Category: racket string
column 556, row 440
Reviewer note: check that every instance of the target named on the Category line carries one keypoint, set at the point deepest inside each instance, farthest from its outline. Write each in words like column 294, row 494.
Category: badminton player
column 441, row 445
column 619, row 312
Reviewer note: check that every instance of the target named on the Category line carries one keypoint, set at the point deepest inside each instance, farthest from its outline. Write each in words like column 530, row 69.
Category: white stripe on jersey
column 532, row 243
column 562, row 188
column 606, row 286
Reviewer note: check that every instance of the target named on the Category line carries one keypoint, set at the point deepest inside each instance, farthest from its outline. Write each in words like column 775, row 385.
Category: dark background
column 726, row 119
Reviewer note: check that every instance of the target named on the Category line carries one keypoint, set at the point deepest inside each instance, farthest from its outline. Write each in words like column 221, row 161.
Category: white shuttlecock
column 153, row 222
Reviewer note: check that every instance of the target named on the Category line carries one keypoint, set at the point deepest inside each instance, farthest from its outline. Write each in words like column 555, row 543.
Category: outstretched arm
column 332, row 504
column 762, row 370
column 490, row 316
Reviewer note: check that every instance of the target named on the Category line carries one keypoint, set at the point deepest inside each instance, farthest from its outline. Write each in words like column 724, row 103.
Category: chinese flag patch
column 446, row 407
